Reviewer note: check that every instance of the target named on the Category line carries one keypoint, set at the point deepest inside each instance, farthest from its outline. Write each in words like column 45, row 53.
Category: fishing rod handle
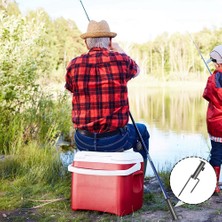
column 198, row 170
column 172, row 211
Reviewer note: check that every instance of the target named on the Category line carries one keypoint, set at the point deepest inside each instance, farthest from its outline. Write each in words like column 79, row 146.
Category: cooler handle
column 126, row 172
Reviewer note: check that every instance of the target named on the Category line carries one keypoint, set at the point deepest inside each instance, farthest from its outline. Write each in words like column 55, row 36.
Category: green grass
column 34, row 176
column 30, row 174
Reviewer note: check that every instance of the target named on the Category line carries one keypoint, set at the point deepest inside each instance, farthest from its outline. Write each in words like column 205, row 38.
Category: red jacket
column 213, row 94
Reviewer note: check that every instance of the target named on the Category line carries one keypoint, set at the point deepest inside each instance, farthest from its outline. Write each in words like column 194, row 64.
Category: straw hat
column 98, row 29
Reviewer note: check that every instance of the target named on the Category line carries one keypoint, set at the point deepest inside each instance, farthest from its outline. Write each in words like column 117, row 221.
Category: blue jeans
column 126, row 139
column 216, row 154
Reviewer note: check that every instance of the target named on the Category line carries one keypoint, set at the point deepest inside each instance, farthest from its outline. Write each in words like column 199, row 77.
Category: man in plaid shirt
column 98, row 83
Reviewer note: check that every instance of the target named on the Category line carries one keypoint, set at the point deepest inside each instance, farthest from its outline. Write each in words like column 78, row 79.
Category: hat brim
column 209, row 61
column 98, row 35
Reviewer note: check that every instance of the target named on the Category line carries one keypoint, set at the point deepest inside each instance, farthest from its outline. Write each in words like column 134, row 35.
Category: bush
column 26, row 112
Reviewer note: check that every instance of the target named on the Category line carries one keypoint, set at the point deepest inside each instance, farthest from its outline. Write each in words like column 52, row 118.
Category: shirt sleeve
column 213, row 93
column 207, row 90
column 134, row 69
column 68, row 78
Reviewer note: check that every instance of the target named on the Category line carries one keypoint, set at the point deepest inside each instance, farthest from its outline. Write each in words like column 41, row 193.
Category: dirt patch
column 209, row 211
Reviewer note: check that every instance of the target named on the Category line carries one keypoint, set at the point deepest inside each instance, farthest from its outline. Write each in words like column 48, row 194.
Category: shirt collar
column 97, row 49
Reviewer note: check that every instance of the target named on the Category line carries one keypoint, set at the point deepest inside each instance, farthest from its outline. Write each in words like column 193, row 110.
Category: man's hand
column 115, row 47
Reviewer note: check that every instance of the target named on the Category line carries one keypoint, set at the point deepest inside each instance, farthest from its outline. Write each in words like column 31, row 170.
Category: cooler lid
column 126, row 157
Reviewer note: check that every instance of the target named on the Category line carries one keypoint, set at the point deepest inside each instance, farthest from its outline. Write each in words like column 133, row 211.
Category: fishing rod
column 84, row 10
column 167, row 199
column 172, row 211
column 200, row 53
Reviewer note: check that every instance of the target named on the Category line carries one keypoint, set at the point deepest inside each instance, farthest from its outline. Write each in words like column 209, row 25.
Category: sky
column 135, row 20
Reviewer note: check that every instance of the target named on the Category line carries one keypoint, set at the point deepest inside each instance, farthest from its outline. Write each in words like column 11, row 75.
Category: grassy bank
column 35, row 186
column 31, row 175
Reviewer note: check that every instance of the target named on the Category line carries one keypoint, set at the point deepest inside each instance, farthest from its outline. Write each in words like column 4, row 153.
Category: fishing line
column 198, row 49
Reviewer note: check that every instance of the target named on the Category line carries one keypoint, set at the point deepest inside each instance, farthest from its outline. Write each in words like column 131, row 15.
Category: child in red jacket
column 213, row 94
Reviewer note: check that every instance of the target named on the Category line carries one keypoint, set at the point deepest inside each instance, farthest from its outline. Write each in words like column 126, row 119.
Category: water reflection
column 176, row 121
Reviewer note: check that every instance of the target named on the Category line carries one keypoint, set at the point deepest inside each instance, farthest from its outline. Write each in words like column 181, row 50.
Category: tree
column 160, row 49
column 21, row 58
column 9, row 7
column 69, row 43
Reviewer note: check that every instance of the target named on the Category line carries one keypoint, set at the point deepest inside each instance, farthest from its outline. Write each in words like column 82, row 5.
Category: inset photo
column 193, row 180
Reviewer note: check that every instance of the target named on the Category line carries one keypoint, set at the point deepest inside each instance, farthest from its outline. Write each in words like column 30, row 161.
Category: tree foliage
column 175, row 57
column 32, row 47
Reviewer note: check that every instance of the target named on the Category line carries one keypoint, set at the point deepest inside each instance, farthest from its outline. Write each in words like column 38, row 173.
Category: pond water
column 176, row 120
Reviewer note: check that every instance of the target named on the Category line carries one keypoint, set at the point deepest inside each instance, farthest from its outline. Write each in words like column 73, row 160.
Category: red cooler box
column 107, row 182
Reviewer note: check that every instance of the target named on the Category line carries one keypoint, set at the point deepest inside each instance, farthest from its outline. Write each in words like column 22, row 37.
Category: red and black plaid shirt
column 98, row 81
